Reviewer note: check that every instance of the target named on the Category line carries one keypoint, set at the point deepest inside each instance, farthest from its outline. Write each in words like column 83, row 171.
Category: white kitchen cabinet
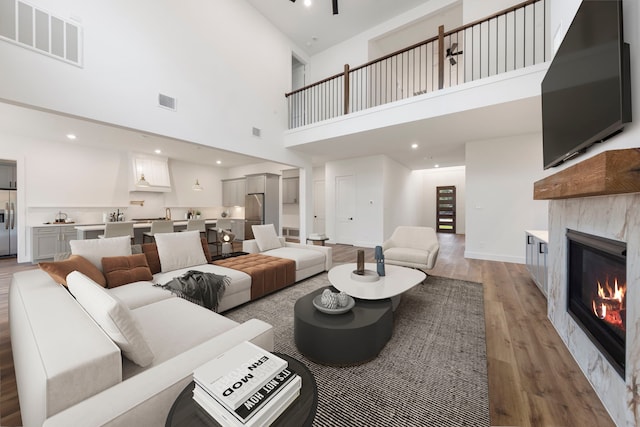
column 8, row 176
column 233, row 192
column 290, row 190
column 47, row 242
column 536, row 257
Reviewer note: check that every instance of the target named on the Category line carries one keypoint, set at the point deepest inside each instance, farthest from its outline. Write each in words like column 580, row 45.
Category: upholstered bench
column 268, row 274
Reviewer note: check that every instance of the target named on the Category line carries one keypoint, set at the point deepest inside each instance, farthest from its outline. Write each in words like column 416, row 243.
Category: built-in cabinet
column 47, row 242
column 290, row 190
column 233, row 192
column 8, row 176
column 536, row 257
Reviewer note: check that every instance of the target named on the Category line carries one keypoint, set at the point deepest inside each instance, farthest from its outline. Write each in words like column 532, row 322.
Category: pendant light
column 197, row 186
column 142, row 182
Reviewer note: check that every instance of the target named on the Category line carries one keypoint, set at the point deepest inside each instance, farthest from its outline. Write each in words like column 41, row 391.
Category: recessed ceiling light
column 218, row 162
column 307, row 3
column 158, row 151
column 71, row 136
column 414, row 146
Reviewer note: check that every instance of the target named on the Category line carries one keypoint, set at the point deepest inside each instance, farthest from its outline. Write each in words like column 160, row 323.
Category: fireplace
column 597, row 287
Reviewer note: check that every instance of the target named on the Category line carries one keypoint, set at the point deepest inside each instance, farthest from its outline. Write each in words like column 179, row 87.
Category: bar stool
column 197, row 225
column 116, row 229
column 163, row 226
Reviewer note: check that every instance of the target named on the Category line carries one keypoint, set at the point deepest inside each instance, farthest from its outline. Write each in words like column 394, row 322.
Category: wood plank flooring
column 533, row 380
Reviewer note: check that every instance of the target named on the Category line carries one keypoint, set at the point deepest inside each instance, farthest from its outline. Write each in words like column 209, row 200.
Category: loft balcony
column 496, row 60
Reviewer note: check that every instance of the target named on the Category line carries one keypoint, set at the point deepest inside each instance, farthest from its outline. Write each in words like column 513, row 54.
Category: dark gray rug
column 433, row 371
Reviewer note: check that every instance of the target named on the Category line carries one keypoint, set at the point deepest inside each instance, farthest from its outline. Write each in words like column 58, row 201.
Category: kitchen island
column 91, row 231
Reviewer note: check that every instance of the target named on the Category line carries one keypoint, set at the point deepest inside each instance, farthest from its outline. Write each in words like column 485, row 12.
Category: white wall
column 499, row 183
column 214, row 57
column 354, row 51
column 428, row 180
column 400, row 201
column 474, row 10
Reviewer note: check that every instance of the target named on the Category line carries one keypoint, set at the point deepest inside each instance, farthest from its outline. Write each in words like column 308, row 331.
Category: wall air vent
column 256, row 132
column 35, row 29
column 167, row 101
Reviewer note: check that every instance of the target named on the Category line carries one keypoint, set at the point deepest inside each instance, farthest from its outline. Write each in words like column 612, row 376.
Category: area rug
column 433, row 371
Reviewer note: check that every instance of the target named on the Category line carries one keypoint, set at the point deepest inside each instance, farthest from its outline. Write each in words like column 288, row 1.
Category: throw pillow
column 120, row 270
column 179, row 250
column 96, row 249
column 266, row 237
column 58, row 270
column 114, row 317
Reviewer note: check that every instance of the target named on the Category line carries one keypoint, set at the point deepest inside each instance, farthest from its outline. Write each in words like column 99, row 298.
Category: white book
column 267, row 414
column 232, row 377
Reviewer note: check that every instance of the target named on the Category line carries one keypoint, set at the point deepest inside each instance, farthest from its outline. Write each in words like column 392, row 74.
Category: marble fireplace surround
column 615, row 217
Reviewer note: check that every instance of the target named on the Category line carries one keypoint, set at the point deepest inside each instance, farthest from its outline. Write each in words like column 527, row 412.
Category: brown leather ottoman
column 268, row 274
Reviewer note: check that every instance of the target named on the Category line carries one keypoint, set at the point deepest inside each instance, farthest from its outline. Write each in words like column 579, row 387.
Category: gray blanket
column 205, row 289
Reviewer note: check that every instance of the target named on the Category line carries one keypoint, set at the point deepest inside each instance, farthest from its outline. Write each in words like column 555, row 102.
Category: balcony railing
column 510, row 39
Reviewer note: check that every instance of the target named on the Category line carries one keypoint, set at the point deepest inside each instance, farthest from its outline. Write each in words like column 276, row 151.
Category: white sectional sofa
column 309, row 259
column 72, row 370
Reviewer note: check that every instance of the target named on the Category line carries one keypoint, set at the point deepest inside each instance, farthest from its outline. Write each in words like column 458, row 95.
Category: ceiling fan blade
column 454, row 46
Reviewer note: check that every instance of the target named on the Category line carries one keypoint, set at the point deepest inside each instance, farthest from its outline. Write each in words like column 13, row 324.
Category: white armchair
column 415, row 247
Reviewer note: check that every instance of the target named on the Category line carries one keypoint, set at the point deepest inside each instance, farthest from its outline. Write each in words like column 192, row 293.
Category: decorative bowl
column 339, row 310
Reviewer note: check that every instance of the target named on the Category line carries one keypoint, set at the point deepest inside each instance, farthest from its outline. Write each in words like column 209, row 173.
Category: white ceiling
column 316, row 28
column 54, row 128
column 441, row 140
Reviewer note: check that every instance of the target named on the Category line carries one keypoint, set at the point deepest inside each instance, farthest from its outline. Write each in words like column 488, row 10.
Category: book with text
column 268, row 413
column 237, row 374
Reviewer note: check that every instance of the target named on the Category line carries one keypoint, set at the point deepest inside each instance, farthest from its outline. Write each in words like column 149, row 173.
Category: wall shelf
column 608, row 173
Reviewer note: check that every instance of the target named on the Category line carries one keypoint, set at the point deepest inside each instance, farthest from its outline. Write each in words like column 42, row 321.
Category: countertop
column 140, row 224
column 540, row 234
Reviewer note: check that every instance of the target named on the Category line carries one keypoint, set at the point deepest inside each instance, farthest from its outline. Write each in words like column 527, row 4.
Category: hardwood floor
column 533, row 380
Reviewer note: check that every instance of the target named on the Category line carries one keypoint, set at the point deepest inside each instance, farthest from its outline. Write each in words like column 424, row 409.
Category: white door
column 345, row 210
column 318, row 207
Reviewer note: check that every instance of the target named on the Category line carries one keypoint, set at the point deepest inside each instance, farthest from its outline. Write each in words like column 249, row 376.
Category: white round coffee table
column 393, row 284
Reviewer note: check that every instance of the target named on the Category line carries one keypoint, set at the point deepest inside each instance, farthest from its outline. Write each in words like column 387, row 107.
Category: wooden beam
column 611, row 172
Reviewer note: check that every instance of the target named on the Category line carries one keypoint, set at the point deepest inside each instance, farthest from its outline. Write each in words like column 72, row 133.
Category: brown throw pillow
column 58, row 270
column 120, row 270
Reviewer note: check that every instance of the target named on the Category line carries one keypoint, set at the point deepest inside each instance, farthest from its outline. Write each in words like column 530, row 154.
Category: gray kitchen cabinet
column 256, row 183
column 290, row 190
column 233, row 192
column 8, row 176
column 237, row 228
column 536, row 257
column 47, row 242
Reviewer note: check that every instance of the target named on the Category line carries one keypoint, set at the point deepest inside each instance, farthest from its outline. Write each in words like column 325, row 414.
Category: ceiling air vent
column 256, row 132
column 167, row 101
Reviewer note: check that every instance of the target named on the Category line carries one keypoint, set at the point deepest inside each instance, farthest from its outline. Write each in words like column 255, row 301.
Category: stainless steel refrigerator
column 253, row 213
column 8, row 226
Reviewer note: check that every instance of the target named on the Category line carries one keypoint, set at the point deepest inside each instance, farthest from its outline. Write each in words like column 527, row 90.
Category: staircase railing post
column 440, row 56
column 346, row 89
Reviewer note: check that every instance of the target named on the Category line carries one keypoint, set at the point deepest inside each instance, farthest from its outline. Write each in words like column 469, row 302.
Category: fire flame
column 609, row 304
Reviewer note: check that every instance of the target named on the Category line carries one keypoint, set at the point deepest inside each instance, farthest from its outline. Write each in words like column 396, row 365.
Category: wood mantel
column 611, row 172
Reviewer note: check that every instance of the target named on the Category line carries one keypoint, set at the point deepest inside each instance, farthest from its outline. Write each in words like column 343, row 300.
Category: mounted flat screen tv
column 586, row 95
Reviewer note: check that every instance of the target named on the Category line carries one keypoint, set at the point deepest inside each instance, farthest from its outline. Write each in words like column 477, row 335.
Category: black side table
column 185, row 412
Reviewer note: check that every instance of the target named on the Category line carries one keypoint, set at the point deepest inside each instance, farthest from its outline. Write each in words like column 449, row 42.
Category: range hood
column 149, row 173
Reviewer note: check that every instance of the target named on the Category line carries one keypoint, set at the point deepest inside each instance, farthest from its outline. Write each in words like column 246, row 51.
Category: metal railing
column 510, row 39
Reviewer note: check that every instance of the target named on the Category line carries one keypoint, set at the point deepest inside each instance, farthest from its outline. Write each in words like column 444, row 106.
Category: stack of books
column 246, row 386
